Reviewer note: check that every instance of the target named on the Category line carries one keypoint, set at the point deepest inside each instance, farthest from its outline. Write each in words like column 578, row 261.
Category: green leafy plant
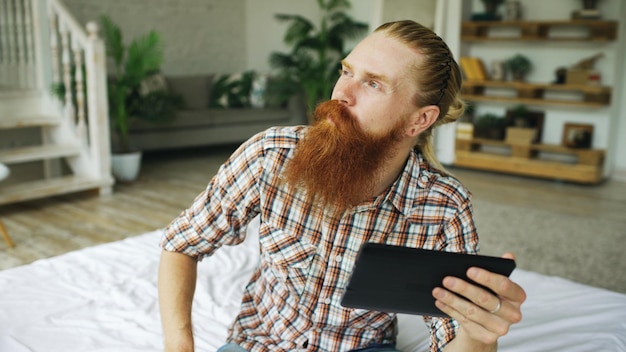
column 132, row 65
column 232, row 91
column 311, row 67
column 492, row 5
column 519, row 65
column 519, row 114
column 490, row 126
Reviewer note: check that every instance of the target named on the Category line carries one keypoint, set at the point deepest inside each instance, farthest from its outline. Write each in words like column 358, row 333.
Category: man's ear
column 422, row 119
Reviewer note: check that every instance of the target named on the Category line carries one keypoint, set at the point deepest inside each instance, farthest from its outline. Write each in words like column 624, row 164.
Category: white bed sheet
column 104, row 298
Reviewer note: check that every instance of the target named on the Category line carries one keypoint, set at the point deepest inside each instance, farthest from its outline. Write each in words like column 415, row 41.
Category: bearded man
column 364, row 172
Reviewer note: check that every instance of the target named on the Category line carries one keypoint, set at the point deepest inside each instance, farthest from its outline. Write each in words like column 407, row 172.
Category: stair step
column 50, row 187
column 20, row 102
column 32, row 120
column 39, row 152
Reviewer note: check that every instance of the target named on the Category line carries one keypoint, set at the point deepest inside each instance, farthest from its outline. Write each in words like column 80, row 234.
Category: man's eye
column 344, row 72
column 374, row 84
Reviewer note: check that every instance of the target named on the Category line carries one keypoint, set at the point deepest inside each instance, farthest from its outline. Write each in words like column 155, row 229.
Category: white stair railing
column 78, row 62
column 18, row 68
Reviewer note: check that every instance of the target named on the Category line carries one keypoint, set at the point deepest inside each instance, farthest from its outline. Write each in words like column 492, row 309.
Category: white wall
column 264, row 34
column 199, row 36
column 619, row 98
column 421, row 11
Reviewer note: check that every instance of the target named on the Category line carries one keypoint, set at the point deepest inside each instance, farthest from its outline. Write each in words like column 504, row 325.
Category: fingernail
column 449, row 282
column 472, row 273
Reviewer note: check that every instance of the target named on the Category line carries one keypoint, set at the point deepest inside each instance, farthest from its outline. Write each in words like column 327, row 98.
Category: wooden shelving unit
column 536, row 160
column 529, row 160
column 594, row 30
column 535, row 93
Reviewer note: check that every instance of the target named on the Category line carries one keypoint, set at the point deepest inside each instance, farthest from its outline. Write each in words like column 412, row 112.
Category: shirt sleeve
column 442, row 331
column 219, row 215
column 460, row 236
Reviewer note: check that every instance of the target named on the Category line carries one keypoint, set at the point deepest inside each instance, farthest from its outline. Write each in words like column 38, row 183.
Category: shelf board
column 579, row 173
column 544, row 86
column 524, row 159
column 529, row 101
column 539, row 147
column 597, row 30
column 534, row 93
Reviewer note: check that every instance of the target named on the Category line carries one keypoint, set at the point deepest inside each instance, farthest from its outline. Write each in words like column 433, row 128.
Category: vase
column 125, row 166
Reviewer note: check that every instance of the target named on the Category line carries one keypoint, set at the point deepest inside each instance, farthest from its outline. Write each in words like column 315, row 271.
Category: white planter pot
column 125, row 167
column 4, row 171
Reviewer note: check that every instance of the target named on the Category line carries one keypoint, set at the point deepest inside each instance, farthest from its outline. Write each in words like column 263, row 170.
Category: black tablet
column 399, row 279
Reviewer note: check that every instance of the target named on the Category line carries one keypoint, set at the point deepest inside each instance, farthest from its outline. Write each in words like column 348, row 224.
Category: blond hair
column 438, row 79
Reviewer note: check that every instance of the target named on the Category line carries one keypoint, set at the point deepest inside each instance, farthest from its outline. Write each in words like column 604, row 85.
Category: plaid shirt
column 292, row 300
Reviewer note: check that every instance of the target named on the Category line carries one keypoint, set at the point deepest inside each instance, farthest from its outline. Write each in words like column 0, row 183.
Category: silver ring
column 497, row 308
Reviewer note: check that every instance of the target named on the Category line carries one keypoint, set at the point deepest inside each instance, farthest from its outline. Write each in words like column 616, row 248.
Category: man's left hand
column 483, row 317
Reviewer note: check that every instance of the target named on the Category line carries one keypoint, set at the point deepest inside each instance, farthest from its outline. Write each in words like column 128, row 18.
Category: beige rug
column 584, row 249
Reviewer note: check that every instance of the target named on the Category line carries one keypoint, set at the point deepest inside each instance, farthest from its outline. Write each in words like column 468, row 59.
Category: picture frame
column 577, row 135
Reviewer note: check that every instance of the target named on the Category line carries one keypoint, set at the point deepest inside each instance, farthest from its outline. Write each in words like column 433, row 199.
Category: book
column 473, row 68
column 467, row 68
column 478, row 67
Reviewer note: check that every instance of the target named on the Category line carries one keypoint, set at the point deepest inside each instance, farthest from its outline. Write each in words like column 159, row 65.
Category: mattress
column 104, row 298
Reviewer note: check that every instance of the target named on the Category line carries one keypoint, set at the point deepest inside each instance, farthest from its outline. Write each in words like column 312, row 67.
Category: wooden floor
column 170, row 181
column 48, row 227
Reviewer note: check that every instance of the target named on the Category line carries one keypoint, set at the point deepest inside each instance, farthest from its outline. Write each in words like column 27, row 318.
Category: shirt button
column 327, row 301
column 425, row 179
column 338, row 258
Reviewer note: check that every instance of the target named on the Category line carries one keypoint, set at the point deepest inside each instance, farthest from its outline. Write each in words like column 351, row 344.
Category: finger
column 508, row 255
column 476, row 321
column 475, row 330
column 500, row 284
column 477, row 295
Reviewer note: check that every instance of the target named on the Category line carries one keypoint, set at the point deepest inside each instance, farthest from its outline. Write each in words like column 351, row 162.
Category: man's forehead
column 382, row 55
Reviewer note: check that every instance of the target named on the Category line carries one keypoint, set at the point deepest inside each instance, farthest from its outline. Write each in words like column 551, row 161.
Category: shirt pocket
column 288, row 259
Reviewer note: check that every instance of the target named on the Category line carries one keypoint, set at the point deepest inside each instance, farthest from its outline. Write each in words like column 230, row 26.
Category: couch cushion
column 195, row 90
column 151, row 84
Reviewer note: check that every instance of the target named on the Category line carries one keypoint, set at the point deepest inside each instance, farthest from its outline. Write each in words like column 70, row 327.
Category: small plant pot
column 126, row 166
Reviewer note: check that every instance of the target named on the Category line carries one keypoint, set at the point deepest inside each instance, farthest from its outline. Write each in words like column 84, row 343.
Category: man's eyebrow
column 368, row 75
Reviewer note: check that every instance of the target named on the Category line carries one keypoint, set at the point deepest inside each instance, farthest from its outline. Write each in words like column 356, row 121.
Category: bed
column 104, row 298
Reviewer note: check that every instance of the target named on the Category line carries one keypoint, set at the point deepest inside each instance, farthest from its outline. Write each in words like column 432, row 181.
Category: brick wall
column 199, row 35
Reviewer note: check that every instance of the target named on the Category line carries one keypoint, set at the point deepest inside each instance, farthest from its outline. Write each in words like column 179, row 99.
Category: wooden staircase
column 57, row 158
column 52, row 145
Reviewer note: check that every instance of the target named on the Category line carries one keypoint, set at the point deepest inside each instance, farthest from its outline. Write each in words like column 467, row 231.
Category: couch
column 197, row 124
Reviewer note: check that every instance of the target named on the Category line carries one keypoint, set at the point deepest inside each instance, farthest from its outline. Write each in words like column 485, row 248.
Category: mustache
column 335, row 110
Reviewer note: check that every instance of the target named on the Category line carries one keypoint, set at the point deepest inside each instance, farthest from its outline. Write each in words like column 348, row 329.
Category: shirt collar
column 413, row 184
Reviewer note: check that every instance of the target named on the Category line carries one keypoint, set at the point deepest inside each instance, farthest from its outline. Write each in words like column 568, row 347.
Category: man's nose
column 345, row 92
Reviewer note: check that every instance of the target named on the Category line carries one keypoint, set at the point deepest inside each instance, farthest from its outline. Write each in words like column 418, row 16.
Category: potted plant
column 491, row 7
column 519, row 66
column 311, row 68
column 524, row 126
column 519, row 115
column 490, row 126
column 133, row 65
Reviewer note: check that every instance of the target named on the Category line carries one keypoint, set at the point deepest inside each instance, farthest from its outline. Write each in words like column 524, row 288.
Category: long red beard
column 338, row 164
